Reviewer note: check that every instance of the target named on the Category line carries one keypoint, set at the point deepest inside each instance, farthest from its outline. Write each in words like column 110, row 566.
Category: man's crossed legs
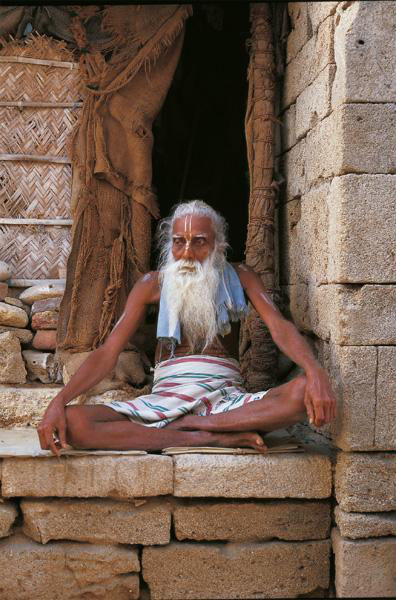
column 101, row 427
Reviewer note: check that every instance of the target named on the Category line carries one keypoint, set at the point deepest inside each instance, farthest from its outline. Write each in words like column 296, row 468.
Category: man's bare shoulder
column 246, row 274
column 148, row 288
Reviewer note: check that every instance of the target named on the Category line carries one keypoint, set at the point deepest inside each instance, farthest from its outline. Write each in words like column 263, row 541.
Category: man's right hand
column 52, row 429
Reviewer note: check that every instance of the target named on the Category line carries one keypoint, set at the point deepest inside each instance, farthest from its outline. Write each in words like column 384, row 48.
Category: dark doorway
column 199, row 139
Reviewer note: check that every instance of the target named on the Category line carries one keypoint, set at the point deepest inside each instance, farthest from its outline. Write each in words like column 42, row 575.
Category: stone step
column 305, row 475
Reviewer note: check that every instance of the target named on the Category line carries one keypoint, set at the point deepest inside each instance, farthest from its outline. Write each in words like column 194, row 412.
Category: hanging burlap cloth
column 257, row 351
column 128, row 71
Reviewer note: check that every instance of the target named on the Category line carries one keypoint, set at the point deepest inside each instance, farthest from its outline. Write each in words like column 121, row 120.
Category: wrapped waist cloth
column 198, row 384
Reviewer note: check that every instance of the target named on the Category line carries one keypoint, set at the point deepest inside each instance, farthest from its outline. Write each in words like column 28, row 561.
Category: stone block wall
column 129, row 527
column 337, row 258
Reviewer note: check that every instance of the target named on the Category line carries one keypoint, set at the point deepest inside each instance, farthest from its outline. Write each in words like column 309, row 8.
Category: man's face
column 193, row 238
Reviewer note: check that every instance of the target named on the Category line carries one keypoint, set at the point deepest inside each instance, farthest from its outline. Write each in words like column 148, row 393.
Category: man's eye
column 178, row 242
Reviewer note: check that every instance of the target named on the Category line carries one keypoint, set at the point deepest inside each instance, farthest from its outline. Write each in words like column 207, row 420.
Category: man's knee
column 77, row 426
column 298, row 393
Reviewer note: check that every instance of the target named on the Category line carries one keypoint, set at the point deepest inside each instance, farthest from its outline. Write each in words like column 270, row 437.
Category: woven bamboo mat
column 43, row 131
column 35, row 190
column 35, row 251
column 38, row 82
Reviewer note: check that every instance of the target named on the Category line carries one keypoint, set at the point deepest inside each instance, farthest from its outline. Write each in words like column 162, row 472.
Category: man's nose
column 188, row 253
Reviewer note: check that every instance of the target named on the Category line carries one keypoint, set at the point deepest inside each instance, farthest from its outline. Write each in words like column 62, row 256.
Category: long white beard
column 190, row 290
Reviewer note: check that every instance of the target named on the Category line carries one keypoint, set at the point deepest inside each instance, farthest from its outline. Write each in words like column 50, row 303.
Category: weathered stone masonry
column 244, row 526
column 338, row 263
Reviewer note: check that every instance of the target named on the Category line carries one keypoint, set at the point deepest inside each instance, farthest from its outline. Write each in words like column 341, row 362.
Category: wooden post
column 257, row 351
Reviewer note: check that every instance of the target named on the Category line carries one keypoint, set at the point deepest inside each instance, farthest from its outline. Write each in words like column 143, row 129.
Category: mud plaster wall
column 337, row 257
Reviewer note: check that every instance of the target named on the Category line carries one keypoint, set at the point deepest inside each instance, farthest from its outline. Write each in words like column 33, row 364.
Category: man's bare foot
column 241, row 439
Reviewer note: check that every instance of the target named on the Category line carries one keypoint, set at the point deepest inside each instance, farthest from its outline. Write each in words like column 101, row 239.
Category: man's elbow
column 105, row 357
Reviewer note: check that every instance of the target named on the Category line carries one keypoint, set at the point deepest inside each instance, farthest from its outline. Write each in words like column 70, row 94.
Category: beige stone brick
column 315, row 55
column 253, row 521
column 300, row 28
column 268, row 570
column 8, row 514
column 21, row 406
column 358, row 315
column 305, row 475
column 365, row 525
column 303, row 238
column 67, row 570
column 300, row 298
column 364, row 568
column 324, row 149
column 360, row 206
column 319, row 11
column 366, row 127
column 347, row 142
column 288, row 129
column 352, row 371
column 314, row 103
column 293, row 167
column 97, row 521
column 345, row 314
column 364, row 47
column 88, row 476
column 385, row 417
column 366, row 482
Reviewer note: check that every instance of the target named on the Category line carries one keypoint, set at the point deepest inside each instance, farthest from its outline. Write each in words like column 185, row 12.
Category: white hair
column 192, row 207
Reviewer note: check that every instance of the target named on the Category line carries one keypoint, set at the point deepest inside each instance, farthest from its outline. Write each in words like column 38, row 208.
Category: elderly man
column 197, row 398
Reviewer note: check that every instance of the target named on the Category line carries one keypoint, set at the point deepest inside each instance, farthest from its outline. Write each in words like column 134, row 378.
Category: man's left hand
column 319, row 400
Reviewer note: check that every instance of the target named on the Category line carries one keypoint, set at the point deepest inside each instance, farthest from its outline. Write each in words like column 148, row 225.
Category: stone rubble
column 17, row 302
column 44, row 339
column 46, row 304
column 24, row 335
column 128, row 370
column 12, row 368
column 5, row 271
column 3, row 290
column 42, row 303
column 42, row 292
column 13, row 316
column 42, row 366
column 45, row 320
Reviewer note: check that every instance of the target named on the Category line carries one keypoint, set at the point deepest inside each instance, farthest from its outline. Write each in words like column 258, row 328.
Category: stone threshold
column 305, row 475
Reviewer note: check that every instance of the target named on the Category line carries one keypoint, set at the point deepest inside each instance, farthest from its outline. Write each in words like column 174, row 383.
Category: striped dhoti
column 198, row 384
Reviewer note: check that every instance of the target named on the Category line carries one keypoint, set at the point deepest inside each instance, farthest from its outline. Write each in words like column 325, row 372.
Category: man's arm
column 99, row 363
column 319, row 399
